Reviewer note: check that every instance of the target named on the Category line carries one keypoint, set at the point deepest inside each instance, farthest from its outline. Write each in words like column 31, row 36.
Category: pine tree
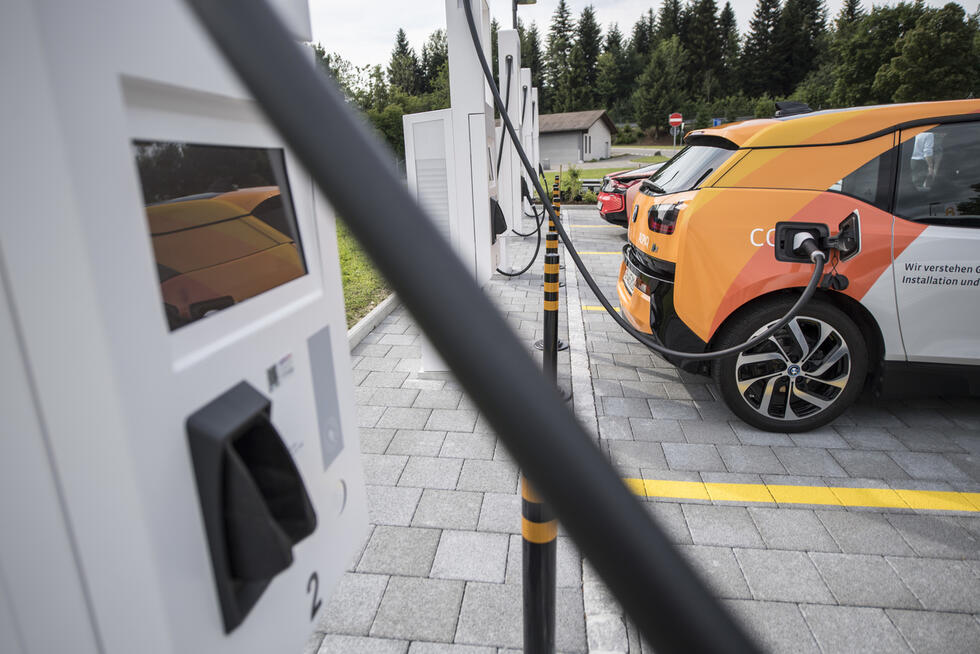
column 703, row 44
column 728, row 29
column 435, row 55
column 531, row 52
column 669, row 22
column 661, row 88
column 849, row 14
column 615, row 78
column 404, row 68
column 756, row 58
column 797, row 43
column 560, row 41
column 644, row 35
column 583, row 64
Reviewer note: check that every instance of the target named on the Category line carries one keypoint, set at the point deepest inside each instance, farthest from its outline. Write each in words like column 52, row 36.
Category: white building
column 575, row 137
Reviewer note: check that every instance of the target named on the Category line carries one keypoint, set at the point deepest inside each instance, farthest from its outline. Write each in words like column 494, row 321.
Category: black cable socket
column 785, row 235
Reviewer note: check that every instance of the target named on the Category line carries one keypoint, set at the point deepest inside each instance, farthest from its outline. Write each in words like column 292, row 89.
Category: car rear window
column 689, row 168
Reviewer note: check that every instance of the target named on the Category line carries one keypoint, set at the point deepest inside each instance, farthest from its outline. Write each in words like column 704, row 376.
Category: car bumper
column 615, row 217
column 654, row 313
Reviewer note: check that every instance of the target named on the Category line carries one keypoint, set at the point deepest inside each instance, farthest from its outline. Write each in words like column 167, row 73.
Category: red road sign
column 675, row 119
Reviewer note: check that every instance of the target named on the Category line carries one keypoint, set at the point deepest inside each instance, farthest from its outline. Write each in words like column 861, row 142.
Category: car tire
column 802, row 377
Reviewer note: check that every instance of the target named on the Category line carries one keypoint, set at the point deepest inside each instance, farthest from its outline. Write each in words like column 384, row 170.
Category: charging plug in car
column 797, row 242
column 848, row 239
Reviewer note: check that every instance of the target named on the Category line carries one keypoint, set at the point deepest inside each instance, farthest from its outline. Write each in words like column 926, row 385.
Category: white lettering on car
column 757, row 234
column 643, row 240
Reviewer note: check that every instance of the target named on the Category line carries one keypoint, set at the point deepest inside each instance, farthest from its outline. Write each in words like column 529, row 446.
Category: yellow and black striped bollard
column 540, row 532
column 552, row 283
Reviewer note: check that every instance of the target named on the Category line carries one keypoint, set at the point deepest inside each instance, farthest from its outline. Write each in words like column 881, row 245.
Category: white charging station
column 450, row 157
column 509, row 191
column 535, row 131
column 179, row 467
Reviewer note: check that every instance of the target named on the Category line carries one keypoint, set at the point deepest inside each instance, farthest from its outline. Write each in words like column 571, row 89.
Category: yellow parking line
column 589, row 307
column 596, row 252
column 827, row 495
column 592, row 226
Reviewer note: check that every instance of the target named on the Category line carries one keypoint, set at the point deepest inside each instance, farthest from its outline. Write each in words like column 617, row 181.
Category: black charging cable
column 819, row 259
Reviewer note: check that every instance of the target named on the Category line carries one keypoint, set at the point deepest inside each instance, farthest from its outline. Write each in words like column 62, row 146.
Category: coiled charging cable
column 817, row 256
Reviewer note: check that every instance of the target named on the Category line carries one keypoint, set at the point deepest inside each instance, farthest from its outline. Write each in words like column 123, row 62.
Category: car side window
column 939, row 176
column 870, row 182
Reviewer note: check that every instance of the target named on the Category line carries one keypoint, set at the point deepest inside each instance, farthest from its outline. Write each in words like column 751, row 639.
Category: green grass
column 653, row 158
column 364, row 287
column 584, row 173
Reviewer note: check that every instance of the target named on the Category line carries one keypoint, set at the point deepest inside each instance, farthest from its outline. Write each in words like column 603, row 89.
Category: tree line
column 691, row 58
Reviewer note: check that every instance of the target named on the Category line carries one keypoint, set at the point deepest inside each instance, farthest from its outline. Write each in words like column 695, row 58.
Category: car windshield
column 690, row 167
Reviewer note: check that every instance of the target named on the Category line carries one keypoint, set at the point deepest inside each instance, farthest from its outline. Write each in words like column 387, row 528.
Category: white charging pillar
column 509, row 191
column 179, row 460
column 535, row 132
column 527, row 118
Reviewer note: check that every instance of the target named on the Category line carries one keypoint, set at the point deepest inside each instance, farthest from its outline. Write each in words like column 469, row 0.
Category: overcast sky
column 363, row 31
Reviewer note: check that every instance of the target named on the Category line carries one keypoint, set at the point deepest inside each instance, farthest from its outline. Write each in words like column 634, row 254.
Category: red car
column 618, row 191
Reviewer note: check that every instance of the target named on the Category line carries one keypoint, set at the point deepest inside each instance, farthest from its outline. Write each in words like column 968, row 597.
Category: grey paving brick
column 687, row 456
column 392, row 505
column 400, row 551
column 873, row 465
column 452, row 420
column 679, row 391
column 714, row 433
column 644, row 389
column 792, row 529
column 358, row 376
column 385, row 379
column 968, row 463
column 863, row 580
column 626, row 407
column 382, row 469
column 370, row 350
column 782, row 576
column 713, row 410
column 940, row 584
column 671, row 519
column 751, row 436
column 826, row 438
column 471, row 555
column 368, row 416
column 863, row 533
column 405, row 352
column 778, row 626
column 922, row 417
column 403, row 418
column 447, row 509
column 808, row 461
column 423, row 384
column 419, row 647
column 872, row 416
column 847, row 629
column 924, row 440
column 568, row 562
column 615, row 428
column 718, row 567
column 729, row 526
column 340, row 644
column 466, row 445
column 431, row 472
column 929, row 632
column 379, row 364
column 923, row 465
column 870, row 438
column 438, row 399
column 750, row 458
column 416, row 441
column 674, row 409
column 489, row 476
column 491, row 615
column 419, row 609
column 375, row 441
column 501, row 512
column 353, row 603
column 656, row 430
column 936, row 536
column 637, row 454
column 395, row 337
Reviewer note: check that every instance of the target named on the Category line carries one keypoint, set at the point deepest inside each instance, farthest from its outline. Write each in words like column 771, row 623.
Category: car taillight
column 662, row 218
column 611, row 202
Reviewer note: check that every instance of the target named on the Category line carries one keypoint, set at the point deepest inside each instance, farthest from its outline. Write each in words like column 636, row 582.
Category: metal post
column 540, row 539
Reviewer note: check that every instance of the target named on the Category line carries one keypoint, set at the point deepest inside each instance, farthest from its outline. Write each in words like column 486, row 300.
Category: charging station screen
column 222, row 224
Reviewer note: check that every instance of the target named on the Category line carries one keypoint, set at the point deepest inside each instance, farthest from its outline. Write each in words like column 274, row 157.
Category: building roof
column 574, row 121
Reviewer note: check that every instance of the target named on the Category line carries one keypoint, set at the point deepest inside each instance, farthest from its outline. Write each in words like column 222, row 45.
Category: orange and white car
column 699, row 271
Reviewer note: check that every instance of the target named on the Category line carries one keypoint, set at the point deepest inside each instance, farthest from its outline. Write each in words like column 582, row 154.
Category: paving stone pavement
column 439, row 570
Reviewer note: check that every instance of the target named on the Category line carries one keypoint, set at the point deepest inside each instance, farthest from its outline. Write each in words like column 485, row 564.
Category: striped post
column 540, row 532
column 551, row 285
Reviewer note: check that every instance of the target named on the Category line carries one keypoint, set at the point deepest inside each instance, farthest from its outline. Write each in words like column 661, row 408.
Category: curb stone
column 364, row 326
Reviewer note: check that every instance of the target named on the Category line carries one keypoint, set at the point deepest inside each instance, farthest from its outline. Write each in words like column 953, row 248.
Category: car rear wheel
column 801, row 377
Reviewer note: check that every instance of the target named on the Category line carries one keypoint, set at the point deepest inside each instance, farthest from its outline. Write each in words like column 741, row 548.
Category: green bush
column 590, row 197
column 571, row 184
column 627, row 135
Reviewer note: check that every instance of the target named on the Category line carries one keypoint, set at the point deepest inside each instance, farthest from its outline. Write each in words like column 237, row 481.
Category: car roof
column 831, row 126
